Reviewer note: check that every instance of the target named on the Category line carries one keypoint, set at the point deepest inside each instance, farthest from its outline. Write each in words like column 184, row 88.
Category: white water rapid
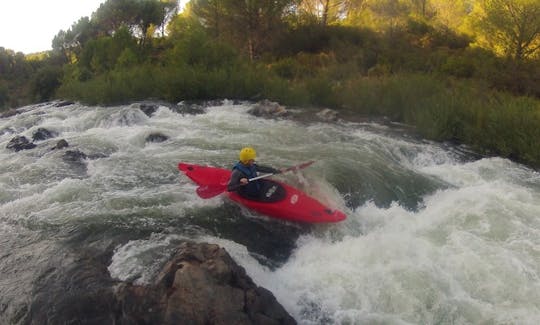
column 433, row 235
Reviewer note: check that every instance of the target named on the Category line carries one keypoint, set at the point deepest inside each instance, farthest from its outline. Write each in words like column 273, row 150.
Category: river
column 434, row 234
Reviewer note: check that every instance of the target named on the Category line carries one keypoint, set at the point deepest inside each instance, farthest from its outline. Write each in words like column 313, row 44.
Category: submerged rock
column 147, row 108
column 266, row 108
column 328, row 115
column 19, row 143
column 63, row 103
column 43, row 134
column 74, row 156
column 156, row 137
column 61, row 144
column 194, row 107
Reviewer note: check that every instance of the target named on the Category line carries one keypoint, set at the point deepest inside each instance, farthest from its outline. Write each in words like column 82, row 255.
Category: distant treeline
column 465, row 71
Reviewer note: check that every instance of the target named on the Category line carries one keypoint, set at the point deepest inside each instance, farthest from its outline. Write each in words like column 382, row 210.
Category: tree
column 3, row 94
column 510, row 27
column 249, row 24
column 328, row 12
column 324, row 11
column 137, row 15
column 69, row 43
column 389, row 14
column 148, row 13
column 451, row 14
column 103, row 54
column 212, row 14
column 45, row 82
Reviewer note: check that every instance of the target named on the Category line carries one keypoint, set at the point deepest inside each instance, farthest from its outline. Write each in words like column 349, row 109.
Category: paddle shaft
column 297, row 167
column 209, row 191
column 251, row 180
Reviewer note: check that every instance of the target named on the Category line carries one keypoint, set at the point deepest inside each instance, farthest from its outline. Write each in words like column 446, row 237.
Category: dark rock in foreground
column 201, row 285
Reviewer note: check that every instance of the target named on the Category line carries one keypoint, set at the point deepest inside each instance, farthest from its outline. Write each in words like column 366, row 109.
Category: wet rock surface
column 43, row 134
column 19, row 143
column 200, row 284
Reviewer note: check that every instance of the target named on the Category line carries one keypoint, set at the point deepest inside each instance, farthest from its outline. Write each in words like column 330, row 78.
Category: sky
column 29, row 26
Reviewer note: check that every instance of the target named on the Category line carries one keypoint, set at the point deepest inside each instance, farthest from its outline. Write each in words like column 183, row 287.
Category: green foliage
column 449, row 110
column 251, row 26
column 46, row 81
column 134, row 14
column 102, row 54
column 321, row 92
column 458, row 66
column 408, row 61
column 197, row 49
column 510, row 27
column 3, row 94
column 15, row 75
column 512, row 129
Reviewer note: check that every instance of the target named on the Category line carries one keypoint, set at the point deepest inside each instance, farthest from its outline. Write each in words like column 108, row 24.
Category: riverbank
column 441, row 108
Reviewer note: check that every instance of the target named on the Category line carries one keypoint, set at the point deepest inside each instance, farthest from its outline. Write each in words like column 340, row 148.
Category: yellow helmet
column 247, row 154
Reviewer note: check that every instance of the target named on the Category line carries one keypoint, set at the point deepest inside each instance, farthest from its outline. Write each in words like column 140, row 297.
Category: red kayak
column 279, row 200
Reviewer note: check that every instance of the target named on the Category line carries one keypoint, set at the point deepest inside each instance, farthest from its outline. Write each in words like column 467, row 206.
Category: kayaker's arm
column 234, row 182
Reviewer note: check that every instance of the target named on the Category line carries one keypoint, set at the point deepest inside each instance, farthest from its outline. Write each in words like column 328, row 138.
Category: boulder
column 43, row 134
column 156, row 137
column 61, row 144
column 19, row 143
column 266, row 108
column 74, row 156
column 192, row 107
column 328, row 115
column 201, row 284
column 147, row 108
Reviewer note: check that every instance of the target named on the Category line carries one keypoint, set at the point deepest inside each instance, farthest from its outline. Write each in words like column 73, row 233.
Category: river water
column 434, row 234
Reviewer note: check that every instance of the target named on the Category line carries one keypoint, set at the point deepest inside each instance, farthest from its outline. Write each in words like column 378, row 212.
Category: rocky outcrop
column 201, row 285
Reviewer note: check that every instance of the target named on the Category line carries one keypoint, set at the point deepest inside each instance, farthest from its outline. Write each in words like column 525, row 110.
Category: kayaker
column 245, row 169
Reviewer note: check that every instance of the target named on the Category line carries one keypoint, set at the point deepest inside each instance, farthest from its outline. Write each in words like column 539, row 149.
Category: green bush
column 452, row 110
column 46, row 81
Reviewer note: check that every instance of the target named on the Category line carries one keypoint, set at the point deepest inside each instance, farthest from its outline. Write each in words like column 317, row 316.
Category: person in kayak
column 245, row 169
